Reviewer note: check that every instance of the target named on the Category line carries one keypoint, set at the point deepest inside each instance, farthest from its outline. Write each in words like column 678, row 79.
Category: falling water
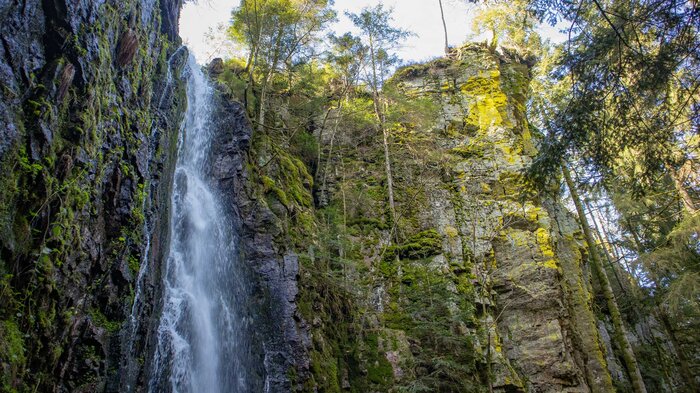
column 201, row 340
column 130, row 364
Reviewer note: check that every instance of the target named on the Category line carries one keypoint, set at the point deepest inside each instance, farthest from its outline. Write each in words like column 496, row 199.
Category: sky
column 421, row 17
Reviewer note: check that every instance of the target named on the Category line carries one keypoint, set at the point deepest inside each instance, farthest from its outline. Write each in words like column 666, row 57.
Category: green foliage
column 419, row 246
column 305, row 147
column 99, row 319
column 381, row 37
column 12, row 354
column 436, row 315
column 510, row 23
column 632, row 91
column 278, row 33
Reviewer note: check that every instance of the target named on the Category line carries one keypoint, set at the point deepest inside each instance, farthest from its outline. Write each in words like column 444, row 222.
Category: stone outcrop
column 90, row 108
column 507, row 262
column 278, row 333
column 504, row 228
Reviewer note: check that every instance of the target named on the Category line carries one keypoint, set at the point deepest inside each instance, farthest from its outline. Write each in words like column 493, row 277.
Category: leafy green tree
column 623, row 104
column 277, row 34
column 634, row 74
column 510, row 23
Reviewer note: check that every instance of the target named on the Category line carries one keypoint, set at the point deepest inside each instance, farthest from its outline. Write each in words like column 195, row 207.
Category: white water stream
column 200, row 344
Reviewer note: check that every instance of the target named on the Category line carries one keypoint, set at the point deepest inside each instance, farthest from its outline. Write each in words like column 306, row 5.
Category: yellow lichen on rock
column 489, row 101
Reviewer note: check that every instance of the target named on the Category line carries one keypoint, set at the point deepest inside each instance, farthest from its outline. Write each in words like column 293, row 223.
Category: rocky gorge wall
column 90, row 108
column 92, row 102
column 482, row 284
column 511, row 258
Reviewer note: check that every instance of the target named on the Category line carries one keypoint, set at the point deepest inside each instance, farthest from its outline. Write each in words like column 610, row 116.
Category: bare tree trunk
column 389, row 177
column 606, row 251
column 323, row 191
column 444, row 26
column 382, row 129
column 678, row 180
column 620, row 335
column 268, row 79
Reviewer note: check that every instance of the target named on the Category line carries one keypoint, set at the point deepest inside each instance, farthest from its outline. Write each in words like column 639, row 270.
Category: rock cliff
column 480, row 283
column 90, row 108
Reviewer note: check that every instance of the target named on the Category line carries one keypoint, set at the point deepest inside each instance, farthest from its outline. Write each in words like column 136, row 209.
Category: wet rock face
column 280, row 335
column 88, row 131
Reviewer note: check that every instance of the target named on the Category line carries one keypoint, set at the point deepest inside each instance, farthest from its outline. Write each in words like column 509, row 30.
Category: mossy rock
column 12, row 355
column 364, row 222
column 419, row 246
column 469, row 151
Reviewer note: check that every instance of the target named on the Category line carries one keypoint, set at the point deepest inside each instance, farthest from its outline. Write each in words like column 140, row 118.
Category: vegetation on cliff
column 407, row 242
column 516, row 216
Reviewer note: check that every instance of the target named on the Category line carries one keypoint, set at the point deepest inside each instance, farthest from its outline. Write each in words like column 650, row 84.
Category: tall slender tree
column 375, row 25
column 620, row 335
column 444, row 27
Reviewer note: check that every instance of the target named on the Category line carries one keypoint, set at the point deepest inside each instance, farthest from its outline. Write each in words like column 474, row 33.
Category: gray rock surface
column 88, row 129
column 281, row 334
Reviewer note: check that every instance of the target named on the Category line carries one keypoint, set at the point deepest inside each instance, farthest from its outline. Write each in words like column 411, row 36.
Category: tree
column 277, row 33
column 620, row 335
column 381, row 38
column 345, row 59
column 510, row 24
column 625, row 109
column 444, row 26
column 634, row 73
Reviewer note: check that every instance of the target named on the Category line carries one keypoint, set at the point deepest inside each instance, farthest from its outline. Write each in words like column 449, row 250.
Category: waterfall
column 201, row 338
column 129, row 361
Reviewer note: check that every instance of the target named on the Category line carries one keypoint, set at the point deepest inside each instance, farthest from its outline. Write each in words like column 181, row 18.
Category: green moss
column 371, row 223
column 488, row 100
column 419, row 246
column 134, row 264
column 11, row 343
column 12, row 352
column 469, row 151
column 325, row 371
column 379, row 370
column 101, row 320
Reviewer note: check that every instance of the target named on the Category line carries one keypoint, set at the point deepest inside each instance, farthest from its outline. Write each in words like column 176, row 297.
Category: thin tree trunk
column 678, row 181
column 382, row 129
column 268, row 79
column 319, row 155
column 604, row 246
column 620, row 335
column 343, row 98
column 389, row 177
column 323, row 190
column 444, row 26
